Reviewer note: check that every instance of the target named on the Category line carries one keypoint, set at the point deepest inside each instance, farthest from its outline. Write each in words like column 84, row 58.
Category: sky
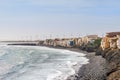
column 41, row 19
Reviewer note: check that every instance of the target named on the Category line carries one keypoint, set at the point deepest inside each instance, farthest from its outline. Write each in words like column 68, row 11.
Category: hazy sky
column 38, row 19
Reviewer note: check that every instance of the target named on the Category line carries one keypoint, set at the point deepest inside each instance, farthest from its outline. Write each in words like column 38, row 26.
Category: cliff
column 113, row 58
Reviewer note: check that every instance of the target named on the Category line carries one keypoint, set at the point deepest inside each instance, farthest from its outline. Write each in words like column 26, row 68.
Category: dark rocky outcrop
column 24, row 44
column 113, row 58
column 87, row 48
column 114, row 75
column 99, row 51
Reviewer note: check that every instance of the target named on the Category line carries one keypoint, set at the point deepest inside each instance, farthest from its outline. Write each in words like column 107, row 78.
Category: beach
column 96, row 69
column 60, row 40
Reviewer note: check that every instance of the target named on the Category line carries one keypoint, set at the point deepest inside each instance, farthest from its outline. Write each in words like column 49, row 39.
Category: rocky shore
column 96, row 69
column 113, row 58
column 103, row 54
column 103, row 65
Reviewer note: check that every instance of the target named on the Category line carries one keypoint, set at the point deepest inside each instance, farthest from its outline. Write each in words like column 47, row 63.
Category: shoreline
column 96, row 69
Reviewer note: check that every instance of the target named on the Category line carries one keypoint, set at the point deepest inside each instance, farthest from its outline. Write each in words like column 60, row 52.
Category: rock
column 98, row 51
column 114, row 75
column 89, row 49
column 103, row 53
column 113, row 58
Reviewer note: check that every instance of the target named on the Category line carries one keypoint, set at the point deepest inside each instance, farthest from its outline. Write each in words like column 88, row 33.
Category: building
column 40, row 42
column 80, row 42
column 89, row 39
column 111, row 40
column 118, row 41
column 56, row 42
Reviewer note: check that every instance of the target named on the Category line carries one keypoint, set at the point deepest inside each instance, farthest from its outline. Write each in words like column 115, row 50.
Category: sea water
column 37, row 63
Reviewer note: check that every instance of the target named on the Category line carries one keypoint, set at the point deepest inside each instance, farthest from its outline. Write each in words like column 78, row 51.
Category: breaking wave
column 38, row 63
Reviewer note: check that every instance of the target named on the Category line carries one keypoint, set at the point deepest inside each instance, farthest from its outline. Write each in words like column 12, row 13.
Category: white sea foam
column 58, row 75
column 54, row 75
column 38, row 63
column 4, row 67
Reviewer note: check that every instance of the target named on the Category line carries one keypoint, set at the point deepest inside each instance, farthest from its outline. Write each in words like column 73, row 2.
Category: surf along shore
column 96, row 69
column 103, row 54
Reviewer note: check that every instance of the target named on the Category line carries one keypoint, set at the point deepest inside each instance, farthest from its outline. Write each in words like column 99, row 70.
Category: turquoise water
column 37, row 63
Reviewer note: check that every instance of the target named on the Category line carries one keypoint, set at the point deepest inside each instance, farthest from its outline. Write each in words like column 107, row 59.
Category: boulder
column 113, row 58
column 114, row 75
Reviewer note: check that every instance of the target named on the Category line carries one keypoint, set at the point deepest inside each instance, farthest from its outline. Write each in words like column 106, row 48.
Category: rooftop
column 112, row 34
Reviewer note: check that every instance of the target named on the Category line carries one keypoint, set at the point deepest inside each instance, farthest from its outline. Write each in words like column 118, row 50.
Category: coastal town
column 60, row 40
column 110, row 40
column 108, row 47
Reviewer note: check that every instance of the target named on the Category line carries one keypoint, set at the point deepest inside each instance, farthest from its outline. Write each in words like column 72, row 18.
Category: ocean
column 38, row 63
